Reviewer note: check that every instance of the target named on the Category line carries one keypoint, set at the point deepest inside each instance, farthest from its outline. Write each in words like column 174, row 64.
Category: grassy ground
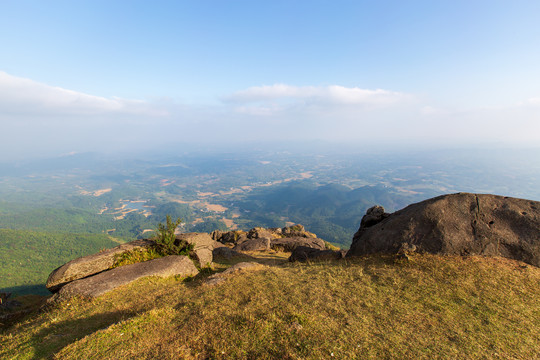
column 372, row 308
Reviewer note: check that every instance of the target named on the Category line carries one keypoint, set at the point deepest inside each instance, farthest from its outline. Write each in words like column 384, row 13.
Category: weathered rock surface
column 89, row 265
column 259, row 232
column 203, row 245
column 232, row 237
column 291, row 243
column 228, row 253
column 257, row 244
column 457, row 224
column 374, row 215
column 297, row 231
column 303, row 253
column 256, row 239
column 101, row 283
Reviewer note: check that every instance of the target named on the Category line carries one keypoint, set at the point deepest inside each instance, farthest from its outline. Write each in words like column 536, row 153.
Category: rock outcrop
column 225, row 252
column 101, row 283
column 92, row 275
column 456, row 224
column 288, row 244
column 263, row 239
column 257, row 244
column 89, row 265
column 203, row 245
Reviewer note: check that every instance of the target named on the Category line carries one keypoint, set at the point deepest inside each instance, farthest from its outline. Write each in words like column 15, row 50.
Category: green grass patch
column 135, row 256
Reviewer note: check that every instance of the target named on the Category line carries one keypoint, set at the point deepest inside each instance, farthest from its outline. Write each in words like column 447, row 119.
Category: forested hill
column 27, row 257
column 331, row 211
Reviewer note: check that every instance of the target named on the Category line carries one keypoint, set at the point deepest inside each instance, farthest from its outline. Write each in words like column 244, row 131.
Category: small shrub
column 166, row 242
column 329, row 246
column 296, row 227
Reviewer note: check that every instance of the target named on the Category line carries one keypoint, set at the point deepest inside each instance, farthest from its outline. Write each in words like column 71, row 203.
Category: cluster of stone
column 455, row 224
column 93, row 275
column 262, row 239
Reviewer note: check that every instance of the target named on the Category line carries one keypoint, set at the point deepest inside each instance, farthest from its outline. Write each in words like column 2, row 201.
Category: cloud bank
column 36, row 118
column 323, row 94
column 283, row 100
column 25, row 96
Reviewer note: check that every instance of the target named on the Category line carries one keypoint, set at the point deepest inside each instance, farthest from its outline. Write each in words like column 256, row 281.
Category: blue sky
column 407, row 72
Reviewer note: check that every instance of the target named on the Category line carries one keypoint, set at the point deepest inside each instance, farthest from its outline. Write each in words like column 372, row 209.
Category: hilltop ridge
column 405, row 298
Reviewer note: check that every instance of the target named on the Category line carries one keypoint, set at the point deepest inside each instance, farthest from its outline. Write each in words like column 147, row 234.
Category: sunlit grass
column 376, row 307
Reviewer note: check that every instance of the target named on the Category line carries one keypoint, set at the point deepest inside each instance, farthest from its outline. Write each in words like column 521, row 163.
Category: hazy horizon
column 110, row 77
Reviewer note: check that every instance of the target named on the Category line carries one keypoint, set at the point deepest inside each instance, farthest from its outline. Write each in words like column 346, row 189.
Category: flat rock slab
column 89, row 265
column 457, row 224
column 291, row 243
column 104, row 282
column 256, row 244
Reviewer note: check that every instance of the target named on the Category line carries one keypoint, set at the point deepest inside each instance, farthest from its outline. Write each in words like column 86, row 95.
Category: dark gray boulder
column 89, row 265
column 291, row 243
column 106, row 281
column 303, row 253
column 256, row 244
column 457, row 224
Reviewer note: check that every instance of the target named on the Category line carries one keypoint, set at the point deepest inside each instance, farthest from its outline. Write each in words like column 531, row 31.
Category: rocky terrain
column 435, row 270
column 96, row 274
column 456, row 224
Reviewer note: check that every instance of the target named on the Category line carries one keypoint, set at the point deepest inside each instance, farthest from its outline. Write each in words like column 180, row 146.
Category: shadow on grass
column 54, row 337
column 36, row 289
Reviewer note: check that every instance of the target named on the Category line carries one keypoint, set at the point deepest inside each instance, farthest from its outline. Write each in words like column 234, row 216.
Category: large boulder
column 303, row 254
column 457, row 224
column 258, row 244
column 259, row 232
column 101, row 283
column 203, row 245
column 89, row 265
column 291, row 243
column 232, row 237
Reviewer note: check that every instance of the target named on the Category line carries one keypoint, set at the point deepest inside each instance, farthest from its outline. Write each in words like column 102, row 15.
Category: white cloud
column 262, row 113
column 535, row 101
column 25, row 96
column 333, row 94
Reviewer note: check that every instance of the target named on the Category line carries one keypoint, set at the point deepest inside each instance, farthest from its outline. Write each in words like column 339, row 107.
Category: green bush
column 166, row 242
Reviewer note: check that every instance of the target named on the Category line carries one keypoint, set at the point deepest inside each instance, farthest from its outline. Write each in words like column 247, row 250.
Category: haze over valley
column 230, row 176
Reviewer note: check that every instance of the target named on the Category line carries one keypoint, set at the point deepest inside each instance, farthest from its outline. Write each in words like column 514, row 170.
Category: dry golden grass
column 430, row 307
